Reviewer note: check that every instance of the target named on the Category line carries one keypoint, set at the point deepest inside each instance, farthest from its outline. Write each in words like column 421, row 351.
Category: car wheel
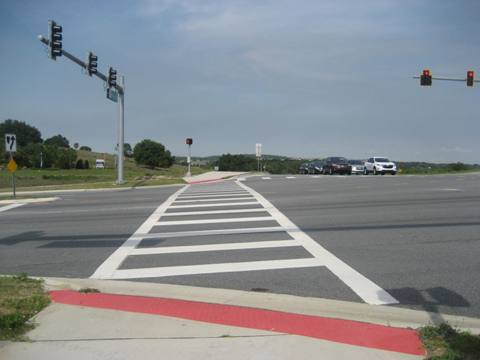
column 394, row 173
column 365, row 171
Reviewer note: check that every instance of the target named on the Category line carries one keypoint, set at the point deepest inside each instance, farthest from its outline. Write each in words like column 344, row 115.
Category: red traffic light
column 426, row 78
column 189, row 141
column 426, row 72
column 470, row 77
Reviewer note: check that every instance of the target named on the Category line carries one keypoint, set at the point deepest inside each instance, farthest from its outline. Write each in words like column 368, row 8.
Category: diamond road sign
column 12, row 166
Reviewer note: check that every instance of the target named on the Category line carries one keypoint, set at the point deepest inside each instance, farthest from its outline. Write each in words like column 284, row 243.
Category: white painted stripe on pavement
column 213, row 205
column 202, row 193
column 216, row 247
column 370, row 292
column 243, row 193
column 209, row 232
column 215, row 221
column 206, row 200
column 290, row 177
column 113, row 262
column 11, row 206
column 266, row 178
column 215, row 268
column 212, row 212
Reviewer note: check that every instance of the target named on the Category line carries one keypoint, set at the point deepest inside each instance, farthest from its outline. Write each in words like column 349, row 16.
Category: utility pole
column 114, row 90
column 258, row 154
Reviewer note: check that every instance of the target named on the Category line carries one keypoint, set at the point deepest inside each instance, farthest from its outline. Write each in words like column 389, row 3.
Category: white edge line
column 244, row 193
column 215, row 268
column 216, row 247
column 11, row 206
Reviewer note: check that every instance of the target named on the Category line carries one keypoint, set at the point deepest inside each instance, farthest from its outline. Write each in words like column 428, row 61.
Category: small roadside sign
column 10, row 143
column 258, row 150
column 12, row 166
column 112, row 94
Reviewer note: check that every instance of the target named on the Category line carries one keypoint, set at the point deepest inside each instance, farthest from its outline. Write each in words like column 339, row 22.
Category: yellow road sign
column 12, row 166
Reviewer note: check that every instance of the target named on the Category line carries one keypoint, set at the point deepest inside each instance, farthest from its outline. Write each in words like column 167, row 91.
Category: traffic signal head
column 92, row 63
column 426, row 78
column 55, row 39
column 189, row 141
column 112, row 77
column 470, row 77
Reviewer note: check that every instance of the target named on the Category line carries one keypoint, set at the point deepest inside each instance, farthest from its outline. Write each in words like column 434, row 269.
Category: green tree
column 152, row 154
column 58, row 141
column 75, row 146
column 228, row 162
column 86, row 148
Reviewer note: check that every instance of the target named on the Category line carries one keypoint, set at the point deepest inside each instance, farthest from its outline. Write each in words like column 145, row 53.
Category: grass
column 446, row 343
column 20, row 298
column 57, row 179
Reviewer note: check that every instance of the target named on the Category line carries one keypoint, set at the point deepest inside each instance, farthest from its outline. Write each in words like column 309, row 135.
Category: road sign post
column 258, row 154
column 11, row 147
column 189, row 142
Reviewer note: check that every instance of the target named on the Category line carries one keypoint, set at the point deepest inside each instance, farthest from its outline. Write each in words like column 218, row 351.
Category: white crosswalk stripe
column 238, row 199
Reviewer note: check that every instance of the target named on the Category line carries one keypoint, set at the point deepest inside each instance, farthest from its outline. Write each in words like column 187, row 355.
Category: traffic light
column 189, row 141
column 426, row 78
column 92, row 63
column 55, row 39
column 112, row 77
column 470, row 77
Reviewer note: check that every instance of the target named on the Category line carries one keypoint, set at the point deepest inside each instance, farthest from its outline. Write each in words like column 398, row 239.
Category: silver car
column 358, row 166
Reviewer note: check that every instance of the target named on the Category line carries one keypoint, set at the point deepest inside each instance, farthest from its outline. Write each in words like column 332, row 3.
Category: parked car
column 316, row 167
column 358, row 166
column 303, row 169
column 379, row 165
column 336, row 165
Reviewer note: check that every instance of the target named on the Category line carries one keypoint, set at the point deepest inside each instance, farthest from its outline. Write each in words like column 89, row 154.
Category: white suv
column 379, row 165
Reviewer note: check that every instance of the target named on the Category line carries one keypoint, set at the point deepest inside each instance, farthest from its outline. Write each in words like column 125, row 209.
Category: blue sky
column 304, row 78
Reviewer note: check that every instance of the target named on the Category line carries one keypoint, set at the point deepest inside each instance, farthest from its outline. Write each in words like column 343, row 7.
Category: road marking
column 206, row 200
column 213, row 205
column 370, row 292
column 244, row 193
column 189, row 193
column 11, row 206
column 215, row 221
column 242, row 179
column 215, row 268
column 210, row 232
column 113, row 262
column 216, row 247
column 212, row 212
column 290, row 177
column 266, row 178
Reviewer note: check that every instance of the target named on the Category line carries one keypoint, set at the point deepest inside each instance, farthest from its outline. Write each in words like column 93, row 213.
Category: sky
column 305, row 78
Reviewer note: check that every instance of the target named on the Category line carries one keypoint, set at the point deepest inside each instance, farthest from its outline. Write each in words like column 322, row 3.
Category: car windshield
column 355, row 162
column 339, row 160
column 382, row 160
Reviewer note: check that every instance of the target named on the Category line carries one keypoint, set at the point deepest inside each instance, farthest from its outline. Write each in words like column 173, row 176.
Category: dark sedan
column 337, row 165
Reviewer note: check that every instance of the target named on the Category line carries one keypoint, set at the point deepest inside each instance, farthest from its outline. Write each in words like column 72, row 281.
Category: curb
column 28, row 201
column 374, row 314
column 356, row 333
column 91, row 190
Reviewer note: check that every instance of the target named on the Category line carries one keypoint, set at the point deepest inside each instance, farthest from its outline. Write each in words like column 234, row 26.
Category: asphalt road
column 415, row 237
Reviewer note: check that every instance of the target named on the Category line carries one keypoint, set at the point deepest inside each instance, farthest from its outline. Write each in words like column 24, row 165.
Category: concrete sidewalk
column 83, row 331
column 212, row 176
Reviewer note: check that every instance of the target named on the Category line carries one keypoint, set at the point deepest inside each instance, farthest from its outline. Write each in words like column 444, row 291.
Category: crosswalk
column 208, row 223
